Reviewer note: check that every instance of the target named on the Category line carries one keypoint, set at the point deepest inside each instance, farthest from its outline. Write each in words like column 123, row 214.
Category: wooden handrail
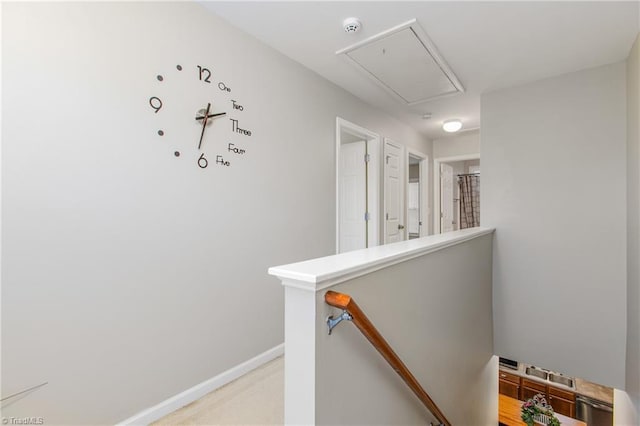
column 360, row 320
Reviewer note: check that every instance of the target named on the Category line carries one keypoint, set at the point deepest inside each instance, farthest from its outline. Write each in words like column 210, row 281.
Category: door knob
column 400, row 226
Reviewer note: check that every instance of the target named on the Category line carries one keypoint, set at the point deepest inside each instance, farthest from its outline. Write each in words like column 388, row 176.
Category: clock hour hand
column 204, row 124
column 211, row 115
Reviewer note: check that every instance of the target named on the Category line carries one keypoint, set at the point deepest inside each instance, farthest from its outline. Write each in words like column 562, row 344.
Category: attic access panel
column 405, row 62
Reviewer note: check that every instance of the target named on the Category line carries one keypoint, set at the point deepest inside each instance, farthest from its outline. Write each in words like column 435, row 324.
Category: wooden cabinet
column 527, row 393
column 514, row 386
column 562, row 406
column 531, row 389
column 509, row 384
column 509, row 389
column 562, row 401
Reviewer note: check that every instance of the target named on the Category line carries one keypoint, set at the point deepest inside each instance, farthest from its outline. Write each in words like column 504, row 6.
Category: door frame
column 423, row 166
column 401, row 193
column 436, row 184
column 373, row 149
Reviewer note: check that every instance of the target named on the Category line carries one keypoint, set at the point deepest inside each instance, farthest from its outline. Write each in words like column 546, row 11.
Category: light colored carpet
column 256, row 398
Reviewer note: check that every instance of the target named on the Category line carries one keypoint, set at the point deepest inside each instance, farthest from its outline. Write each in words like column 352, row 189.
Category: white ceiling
column 488, row 45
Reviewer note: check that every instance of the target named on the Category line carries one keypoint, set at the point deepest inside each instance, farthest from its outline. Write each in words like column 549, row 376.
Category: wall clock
column 200, row 116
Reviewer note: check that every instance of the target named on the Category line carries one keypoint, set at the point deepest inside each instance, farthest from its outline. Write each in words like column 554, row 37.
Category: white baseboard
column 170, row 405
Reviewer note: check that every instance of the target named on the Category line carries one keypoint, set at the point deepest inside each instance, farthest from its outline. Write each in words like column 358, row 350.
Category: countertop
column 509, row 413
column 582, row 387
column 595, row 391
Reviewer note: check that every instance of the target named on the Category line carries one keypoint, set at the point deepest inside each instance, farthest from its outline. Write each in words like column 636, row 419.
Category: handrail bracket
column 332, row 322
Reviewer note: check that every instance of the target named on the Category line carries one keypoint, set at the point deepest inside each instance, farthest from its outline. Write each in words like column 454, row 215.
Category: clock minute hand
column 211, row 115
column 204, row 124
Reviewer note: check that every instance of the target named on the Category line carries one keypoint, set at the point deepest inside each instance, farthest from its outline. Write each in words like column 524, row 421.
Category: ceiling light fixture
column 351, row 25
column 452, row 126
column 426, row 116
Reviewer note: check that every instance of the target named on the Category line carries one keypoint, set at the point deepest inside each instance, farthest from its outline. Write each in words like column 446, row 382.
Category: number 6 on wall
column 202, row 162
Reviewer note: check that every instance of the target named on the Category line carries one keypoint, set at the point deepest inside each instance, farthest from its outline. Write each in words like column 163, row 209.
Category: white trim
column 429, row 46
column 436, row 183
column 318, row 274
column 190, row 395
column 469, row 129
column 374, row 149
column 465, row 157
column 373, row 181
column 424, row 190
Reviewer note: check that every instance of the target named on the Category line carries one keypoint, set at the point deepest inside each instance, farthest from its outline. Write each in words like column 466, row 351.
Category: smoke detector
column 351, row 25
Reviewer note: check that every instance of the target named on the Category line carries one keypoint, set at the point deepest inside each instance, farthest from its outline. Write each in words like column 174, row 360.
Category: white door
column 393, row 178
column 353, row 197
column 446, row 198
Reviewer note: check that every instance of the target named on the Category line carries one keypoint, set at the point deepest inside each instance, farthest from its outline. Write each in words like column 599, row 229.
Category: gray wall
column 628, row 406
column 130, row 275
column 464, row 143
column 435, row 311
column 470, row 163
column 554, row 187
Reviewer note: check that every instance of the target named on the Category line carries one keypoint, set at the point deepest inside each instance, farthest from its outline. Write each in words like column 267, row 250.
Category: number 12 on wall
column 202, row 71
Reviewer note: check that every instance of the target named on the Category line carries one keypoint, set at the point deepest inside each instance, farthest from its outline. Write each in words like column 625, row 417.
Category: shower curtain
column 469, row 200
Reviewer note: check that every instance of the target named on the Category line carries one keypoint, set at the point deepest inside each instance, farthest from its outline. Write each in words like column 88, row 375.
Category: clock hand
column 204, row 124
column 211, row 115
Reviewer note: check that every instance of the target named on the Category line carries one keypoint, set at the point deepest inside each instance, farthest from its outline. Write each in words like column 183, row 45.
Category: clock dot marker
column 179, row 67
column 177, row 153
column 160, row 78
column 160, row 132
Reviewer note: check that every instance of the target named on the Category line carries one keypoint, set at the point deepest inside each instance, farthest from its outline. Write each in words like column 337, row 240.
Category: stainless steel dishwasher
column 593, row 412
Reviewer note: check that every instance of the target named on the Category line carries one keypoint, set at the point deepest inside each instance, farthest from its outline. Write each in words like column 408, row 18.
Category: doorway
column 456, row 193
column 357, row 187
column 417, row 194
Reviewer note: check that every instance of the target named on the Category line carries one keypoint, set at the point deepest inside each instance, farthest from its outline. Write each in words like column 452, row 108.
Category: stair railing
column 352, row 312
